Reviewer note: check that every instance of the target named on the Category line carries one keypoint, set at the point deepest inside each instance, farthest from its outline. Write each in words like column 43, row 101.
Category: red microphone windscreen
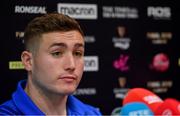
column 168, row 108
column 143, row 95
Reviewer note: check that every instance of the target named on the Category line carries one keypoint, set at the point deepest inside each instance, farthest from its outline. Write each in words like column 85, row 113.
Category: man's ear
column 26, row 58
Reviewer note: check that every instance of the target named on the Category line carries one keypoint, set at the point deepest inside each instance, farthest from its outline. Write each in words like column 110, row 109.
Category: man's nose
column 69, row 62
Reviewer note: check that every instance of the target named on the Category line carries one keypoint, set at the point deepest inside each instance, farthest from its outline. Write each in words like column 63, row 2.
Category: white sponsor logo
column 85, row 91
column 139, row 113
column 19, row 34
column 30, row 9
column 159, row 12
column 78, row 11
column 120, row 92
column 120, row 12
column 91, row 63
column 123, row 43
column 89, row 39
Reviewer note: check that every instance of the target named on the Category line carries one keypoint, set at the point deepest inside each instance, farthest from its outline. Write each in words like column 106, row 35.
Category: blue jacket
column 21, row 104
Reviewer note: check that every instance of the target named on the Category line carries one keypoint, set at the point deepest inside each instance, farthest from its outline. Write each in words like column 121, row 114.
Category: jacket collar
column 23, row 101
column 27, row 106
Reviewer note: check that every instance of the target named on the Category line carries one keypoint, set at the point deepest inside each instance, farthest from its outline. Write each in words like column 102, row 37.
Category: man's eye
column 56, row 54
column 78, row 53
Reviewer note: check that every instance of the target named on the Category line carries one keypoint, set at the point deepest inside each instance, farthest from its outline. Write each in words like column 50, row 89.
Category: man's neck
column 50, row 104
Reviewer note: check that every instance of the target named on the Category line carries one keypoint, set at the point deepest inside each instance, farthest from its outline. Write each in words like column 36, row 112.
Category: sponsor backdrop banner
column 128, row 44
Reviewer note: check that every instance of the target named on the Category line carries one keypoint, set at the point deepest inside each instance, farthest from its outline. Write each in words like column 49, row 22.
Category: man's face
column 58, row 65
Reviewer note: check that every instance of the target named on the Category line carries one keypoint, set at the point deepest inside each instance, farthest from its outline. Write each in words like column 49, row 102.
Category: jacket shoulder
column 91, row 110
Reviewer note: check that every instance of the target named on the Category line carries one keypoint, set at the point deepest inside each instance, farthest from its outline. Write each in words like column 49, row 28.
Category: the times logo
column 30, row 9
column 91, row 63
column 159, row 12
column 120, row 12
column 78, row 11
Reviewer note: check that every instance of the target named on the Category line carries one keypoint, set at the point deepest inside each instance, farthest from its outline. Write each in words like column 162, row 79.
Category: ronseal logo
column 30, row 9
column 91, row 63
column 78, row 11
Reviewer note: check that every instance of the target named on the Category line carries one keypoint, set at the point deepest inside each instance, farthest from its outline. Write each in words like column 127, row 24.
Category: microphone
column 144, row 96
column 169, row 107
column 136, row 109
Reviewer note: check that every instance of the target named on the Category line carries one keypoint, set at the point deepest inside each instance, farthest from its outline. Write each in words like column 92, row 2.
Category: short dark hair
column 51, row 22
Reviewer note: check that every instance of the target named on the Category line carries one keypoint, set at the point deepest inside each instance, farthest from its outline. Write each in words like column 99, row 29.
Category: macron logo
column 78, row 11
column 91, row 63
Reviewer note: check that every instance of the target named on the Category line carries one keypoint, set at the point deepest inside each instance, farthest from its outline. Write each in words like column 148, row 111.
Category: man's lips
column 68, row 77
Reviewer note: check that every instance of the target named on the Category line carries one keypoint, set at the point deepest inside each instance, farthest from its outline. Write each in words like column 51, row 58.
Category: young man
column 53, row 58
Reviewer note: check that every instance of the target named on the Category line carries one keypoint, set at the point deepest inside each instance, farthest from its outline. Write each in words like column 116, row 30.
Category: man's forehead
column 64, row 38
column 65, row 35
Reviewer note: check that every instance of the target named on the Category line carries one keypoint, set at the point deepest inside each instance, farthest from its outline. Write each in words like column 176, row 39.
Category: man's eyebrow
column 77, row 45
column 58, row 44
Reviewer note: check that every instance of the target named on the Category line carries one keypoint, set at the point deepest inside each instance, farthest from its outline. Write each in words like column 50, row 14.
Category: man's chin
column 69, row 91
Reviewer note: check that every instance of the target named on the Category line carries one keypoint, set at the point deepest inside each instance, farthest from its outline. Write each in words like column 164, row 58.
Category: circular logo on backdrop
column 160, row 62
